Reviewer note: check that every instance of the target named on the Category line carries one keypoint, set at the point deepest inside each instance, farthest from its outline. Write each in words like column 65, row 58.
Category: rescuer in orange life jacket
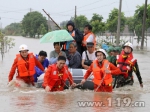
column 102, row 70
column 25, row 64
column 88, row 37
column 56, row 76
column 127, row 64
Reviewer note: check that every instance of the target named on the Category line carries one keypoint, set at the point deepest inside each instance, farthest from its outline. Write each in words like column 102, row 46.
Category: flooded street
column 126, row 99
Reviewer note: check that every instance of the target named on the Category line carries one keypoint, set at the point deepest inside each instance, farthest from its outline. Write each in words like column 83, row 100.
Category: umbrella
column 56, row 36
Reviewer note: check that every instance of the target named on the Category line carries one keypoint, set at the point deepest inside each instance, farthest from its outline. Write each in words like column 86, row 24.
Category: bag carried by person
column 87, row 62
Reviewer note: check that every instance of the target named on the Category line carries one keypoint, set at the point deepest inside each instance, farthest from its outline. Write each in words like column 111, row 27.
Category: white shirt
column 90, row 56
column 90, row 38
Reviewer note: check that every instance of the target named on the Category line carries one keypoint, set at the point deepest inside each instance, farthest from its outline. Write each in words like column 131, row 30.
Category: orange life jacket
column 57, row 80
column 26, row 68
column 73, row 35
column 99, row 73
column 86, row 37
column 125, row 63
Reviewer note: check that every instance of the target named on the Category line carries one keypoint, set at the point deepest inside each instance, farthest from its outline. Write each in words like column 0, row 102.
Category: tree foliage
column 135, row 23
column 97, row 24
column 112, row 21
column 13, row 29
column 138, row 18
column 5, row 44
column 81, row 21
column 130, row 23
column 32, row 22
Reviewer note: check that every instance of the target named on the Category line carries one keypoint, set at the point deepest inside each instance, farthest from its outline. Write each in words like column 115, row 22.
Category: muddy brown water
column 126, row 99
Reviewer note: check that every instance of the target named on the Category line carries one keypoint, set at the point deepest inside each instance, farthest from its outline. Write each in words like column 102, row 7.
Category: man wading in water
column 102, row 70
column 56, row 76
column 127, row 64
column 25, row 64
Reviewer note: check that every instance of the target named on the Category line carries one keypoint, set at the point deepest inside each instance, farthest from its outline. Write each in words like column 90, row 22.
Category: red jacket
column 56, row 78
column 27, row 79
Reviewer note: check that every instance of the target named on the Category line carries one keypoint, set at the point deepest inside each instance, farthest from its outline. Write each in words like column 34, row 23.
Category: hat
column 70, row 23
column 128, row 44
column 110, row 49
column 23, row 47
column 103, row 51
column 90, row 44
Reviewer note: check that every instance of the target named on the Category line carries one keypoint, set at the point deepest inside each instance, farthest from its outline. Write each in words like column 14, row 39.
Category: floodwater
column 126, row 99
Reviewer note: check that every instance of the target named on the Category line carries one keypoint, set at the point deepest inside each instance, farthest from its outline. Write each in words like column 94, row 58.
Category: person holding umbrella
column 77, row 36
column 102, row 70
column 56, row 37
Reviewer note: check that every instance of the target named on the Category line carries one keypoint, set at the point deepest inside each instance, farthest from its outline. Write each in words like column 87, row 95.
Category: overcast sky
column 60, row 10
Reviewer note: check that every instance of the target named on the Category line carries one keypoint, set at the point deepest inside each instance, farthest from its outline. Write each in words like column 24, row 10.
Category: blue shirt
column 38, row 71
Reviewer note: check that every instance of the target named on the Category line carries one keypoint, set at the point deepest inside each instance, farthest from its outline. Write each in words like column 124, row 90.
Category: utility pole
column 75, row 16
column 118, row 26
column 30, row 10
column 143, row 26
column 0, row 24
column 49, row 23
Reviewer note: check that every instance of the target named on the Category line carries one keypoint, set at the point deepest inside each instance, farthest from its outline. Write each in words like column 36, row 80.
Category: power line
column 7, row 7
column 17, row 11
column 81, row 6
column 91, row 3
column 10, row 18
column 127, row 7
column 99, row 7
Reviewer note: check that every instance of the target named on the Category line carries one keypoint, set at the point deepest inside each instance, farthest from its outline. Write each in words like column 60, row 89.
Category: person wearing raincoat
column 77, row 36
column 56, row 76
column 102, row 70
column 25, row 64
column 113, row 52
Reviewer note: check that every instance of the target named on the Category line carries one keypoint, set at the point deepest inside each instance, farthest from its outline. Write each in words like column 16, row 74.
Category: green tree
column 42, row 30
column 31, row 23
column 97, row 24
column 130, row 23
column 5, row 44
column 138, row 20
column 81, row 21
column 112, row 21
column 13, row 29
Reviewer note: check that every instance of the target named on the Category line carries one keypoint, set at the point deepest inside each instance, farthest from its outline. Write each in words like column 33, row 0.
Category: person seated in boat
column 41, row 57
column 56, row 76
column 74, row 56
column 88, row 56
column 56, row 53
column 25, row 64
column 127, row 64
column 102, row 70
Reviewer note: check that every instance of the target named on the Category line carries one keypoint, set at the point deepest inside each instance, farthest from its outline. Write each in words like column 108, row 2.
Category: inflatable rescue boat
column 77, row 75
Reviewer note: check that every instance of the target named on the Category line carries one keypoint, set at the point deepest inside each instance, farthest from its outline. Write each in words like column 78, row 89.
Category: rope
column 106, row 66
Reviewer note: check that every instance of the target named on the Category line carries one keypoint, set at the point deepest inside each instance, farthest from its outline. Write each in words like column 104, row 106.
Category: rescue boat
column 77, row 75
